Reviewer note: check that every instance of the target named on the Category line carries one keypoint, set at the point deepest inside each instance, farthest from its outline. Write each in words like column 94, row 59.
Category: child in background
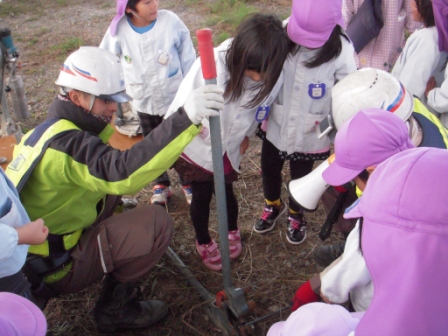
column 323, row 56
column 382, row 52
column 156, row 52
column 16, row 233
column 248, row 69
column 421, row 58
column 438, row 96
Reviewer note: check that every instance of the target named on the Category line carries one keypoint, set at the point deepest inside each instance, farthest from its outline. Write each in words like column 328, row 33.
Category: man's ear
column 75, row 97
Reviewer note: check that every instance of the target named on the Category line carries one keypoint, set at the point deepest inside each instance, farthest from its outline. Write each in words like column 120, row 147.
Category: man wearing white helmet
column 373, row 88
column 67, row 174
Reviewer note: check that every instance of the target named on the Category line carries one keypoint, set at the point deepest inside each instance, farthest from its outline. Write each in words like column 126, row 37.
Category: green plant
column 33, row 41
column 61, row 50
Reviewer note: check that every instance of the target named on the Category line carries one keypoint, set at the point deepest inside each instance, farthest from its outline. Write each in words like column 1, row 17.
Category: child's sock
column 275, row 203
column 292, row 212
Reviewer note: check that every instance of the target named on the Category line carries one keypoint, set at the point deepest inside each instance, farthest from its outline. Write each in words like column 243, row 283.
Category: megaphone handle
column 333, row 216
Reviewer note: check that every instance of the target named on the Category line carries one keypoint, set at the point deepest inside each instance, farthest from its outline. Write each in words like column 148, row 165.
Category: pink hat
column 20, row 317
column 312, row 21
column 440, row 9
column 367, row 139
column 405, row 244
column 121, row 7
column 316, row 319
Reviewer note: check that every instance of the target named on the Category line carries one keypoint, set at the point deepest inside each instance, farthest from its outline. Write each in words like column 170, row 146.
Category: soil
column 269, row 265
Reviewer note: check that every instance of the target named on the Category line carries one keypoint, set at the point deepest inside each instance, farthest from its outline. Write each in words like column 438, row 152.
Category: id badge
column 262, row 113
column 163, row 58
column 316, row 91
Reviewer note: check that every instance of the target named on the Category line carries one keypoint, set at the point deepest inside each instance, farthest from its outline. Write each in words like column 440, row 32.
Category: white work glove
column 204, row 102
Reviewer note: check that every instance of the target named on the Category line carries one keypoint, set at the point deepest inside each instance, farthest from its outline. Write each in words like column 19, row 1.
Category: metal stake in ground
column 237, row 303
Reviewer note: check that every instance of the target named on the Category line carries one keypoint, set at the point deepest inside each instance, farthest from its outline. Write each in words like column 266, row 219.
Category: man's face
column 104, row 108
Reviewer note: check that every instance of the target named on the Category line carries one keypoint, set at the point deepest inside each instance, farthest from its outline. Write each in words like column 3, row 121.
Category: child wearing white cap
column 323, row 56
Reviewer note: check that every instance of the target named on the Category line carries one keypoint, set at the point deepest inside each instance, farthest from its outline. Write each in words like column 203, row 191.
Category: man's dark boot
column 119, row 307
column 324, row 255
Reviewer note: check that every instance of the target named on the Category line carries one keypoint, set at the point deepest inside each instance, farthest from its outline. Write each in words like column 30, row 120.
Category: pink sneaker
column 235, row 246
column 210, row 255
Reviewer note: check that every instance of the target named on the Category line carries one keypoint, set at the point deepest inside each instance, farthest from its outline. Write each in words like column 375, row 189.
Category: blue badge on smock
column 316, row 91
column 262, row 113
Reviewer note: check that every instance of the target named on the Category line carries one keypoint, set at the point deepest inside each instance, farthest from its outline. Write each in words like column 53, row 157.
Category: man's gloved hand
column 204, row 102
column 304, row 295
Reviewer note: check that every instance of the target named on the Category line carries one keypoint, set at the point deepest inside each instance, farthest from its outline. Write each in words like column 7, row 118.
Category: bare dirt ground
column 269, row 264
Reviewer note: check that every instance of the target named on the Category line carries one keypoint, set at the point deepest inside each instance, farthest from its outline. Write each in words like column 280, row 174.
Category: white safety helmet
column 370, row 88
column 95, row 71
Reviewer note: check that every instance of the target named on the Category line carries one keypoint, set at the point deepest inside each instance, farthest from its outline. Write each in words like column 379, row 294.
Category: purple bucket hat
column 367, row 139
column 312, row 21
column 121, row 7
column 20, row 317
column 440, row 9
column 316, row 319
column 405, row 244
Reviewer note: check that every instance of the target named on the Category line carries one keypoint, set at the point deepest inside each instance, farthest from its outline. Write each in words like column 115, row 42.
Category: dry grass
column 269, row 265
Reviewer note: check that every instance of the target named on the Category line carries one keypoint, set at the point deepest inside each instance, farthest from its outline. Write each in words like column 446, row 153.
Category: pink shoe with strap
column 210, row 255
column 235, row 246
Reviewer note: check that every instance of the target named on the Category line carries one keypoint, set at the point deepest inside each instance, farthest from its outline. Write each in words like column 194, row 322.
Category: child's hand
column 33, row 233
column 430, row 85
column 244, row 145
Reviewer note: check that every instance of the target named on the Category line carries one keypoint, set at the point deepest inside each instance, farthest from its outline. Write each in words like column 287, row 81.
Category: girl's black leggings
column 200, row 208
column 271, row 167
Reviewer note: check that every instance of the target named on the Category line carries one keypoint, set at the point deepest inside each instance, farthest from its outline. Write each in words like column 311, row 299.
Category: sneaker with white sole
column 269, row 218
column 235, row 246
column 210, row 255
column 188, row 193
column 161, row 194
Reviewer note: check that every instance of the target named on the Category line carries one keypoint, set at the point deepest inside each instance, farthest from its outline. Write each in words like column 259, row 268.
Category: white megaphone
column 307, row 191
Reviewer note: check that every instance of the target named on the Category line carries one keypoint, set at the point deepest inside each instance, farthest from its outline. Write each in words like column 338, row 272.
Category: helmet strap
column 92, row 101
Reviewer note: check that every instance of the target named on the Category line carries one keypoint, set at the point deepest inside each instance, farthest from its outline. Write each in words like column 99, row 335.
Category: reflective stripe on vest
column 19, row 170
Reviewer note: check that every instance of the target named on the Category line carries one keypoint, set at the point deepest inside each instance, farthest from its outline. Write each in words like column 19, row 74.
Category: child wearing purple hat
column 404, row 240
column 370, row 137
column 156, row 53
column 20, row 317
column 323, row 56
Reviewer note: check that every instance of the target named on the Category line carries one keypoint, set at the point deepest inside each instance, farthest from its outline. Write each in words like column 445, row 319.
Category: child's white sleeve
column 111, row 43
column 438, row 97
column 346, row 60
column 192, row 81
column 417, row 62
column 187, row 54
column 8, row 240
column 349, row 272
